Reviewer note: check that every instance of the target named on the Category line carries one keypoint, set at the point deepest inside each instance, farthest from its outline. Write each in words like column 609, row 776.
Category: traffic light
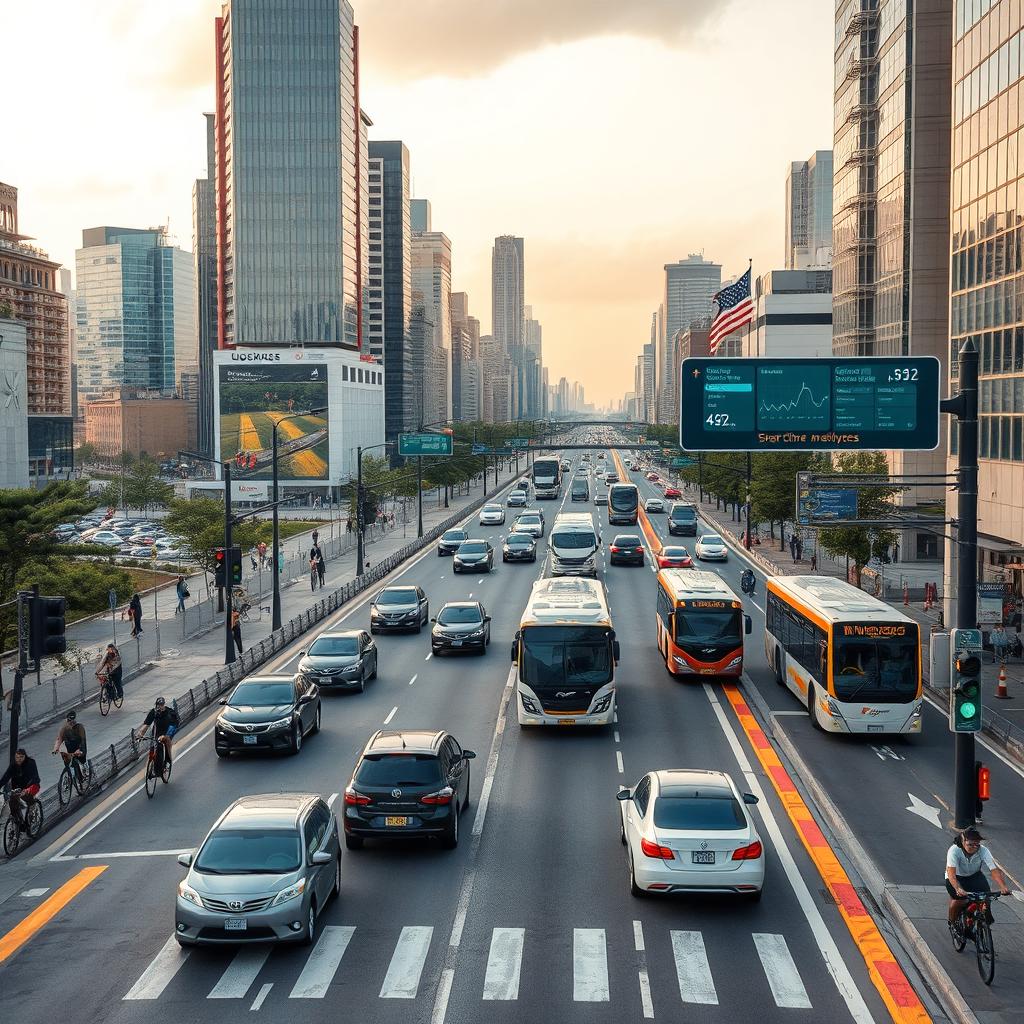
column 236, row 565
column 46, row 627
column 965, row 682
column 219, row 567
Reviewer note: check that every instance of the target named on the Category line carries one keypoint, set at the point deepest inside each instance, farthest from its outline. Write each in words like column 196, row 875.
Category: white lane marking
column 616, row 735
column 122, row 854
column 461, row 909
column 693, row 971
column 589, row 966
column 261, row 995
column 239, row 975
column 332, row 798
column 503, row 963
column 618, row 761
column 638, row 936
column 780, row 969
column 478, row 581
column 444, row 991
column 403, row 977
column 319, row 969
column 429, row 656
column 33, row 893
column 414, row 678
column 492, row 760
column 830, row 953
column 162, row 968
column 645, row 995
column 391, row 714
column 929, row 812
column 471, row 592
column 615, row 717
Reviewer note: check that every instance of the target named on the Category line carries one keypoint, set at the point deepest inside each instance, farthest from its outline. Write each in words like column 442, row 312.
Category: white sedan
column 688, row 830
column 711, row 548
column 654, row 505
column 492, row 515
column 529, row 523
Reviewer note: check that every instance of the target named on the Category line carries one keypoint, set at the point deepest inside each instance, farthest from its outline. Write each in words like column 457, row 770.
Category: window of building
column 344, row 373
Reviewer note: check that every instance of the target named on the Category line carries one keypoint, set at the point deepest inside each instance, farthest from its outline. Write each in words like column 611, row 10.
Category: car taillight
column 613, row 548
column 751, row 852
column 442, row 796
column 639, row 551
column 354, row 799
column 654, row 850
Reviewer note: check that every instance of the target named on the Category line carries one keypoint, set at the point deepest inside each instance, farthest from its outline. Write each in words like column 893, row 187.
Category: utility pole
column 19, row 673
column 419, row 495
column 229, row 639
column 747, row 539
column 359, row 512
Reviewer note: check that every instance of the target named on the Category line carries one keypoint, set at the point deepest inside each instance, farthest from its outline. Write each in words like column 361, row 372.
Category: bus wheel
column 812, row 710
column 779, row 677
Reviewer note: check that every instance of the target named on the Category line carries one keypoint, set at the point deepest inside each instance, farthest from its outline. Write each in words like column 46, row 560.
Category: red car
column 673, row 492
column 652, row 476
column 674, row 557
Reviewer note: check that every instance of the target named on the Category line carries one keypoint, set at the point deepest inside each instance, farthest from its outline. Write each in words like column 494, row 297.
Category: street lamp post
column 359, row 501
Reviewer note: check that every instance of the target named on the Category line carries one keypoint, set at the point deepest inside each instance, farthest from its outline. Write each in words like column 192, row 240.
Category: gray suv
column 263, row 873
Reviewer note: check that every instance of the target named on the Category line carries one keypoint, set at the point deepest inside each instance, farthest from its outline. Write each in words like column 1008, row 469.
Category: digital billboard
column 253, row 396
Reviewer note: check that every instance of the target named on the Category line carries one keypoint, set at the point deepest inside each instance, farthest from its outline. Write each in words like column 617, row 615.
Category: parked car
column 461, row 626
column 270, row 712
column 473, row 556
column 399, row 608
column 519, row 547
column 450, row 541
column 105, row 537
column 340, row 659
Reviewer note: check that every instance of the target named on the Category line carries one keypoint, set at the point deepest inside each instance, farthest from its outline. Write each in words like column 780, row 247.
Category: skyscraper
column 809, row 212
column 432, row 342
column 507, row 310
column 204, row 254
column 465, row 360
column 291, row 174
column 389, row 296
column 648, row 383
column 419, row 214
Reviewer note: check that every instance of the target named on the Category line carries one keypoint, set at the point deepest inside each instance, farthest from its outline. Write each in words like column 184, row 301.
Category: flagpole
column 750, row 271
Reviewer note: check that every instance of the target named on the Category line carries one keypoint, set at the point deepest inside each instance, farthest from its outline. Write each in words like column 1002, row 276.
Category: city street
column 529, row 918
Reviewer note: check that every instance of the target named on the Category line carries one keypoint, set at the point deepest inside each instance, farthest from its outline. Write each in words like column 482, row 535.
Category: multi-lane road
column 530, row 918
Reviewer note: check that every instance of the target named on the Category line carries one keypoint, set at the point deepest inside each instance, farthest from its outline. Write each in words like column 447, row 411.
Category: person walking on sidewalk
column 263, row 553
column 964, row 862
column 799, row 549
column 135, row 614
column 814, row 561
column 111, row 669
column 321, row 565
column 1000, row 642
column 236, row 628
column 316, row 535
column 181, row 589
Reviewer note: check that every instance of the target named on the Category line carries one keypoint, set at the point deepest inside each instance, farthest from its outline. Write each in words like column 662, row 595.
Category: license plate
column 567, row 721
column 326, row 679
column 456, row 643
column 235, row 924
column 876, row 728
column 396, row 822
column 702, row 857
column 249, row 739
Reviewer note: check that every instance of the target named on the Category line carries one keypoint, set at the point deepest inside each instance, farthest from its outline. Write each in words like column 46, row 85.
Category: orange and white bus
column 700, row 624
column 853, row 661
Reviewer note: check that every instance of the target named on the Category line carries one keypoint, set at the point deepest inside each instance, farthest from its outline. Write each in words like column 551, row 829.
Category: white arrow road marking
column 923, row 810
column 884, row 752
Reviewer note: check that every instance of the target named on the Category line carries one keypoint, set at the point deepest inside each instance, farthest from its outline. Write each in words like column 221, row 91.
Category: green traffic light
column 968, row 710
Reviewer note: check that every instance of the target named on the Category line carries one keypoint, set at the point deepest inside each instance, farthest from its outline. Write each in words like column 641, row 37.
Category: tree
column 199, row 522
column 773, row 486
column 143, row 488
column 859, row 543
column 84, row 584
column 85, row 453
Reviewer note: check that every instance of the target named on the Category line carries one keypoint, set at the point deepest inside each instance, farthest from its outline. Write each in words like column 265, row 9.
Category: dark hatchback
column 267, row 713
column 450, row 541
column 343, row 659
column 405, row 785
column 626, row 549
column 519, row 547
column 474, row 556
column 399, row 608
column 461, row 626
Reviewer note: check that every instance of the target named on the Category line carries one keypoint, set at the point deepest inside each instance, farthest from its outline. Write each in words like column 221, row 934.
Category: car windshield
column 711, row 538
column 712, row 813
column 262, row 694
column 398, row 770
column 709, row 626
column 454, row 535
column 519, row 540
column 556, row 655
column 875, row 661
column 682, row 514
column 452, row 614
column 397, row 596
column 327, row 645
column 492, row 508
column 675, row 552
column 243, row 851
column 626, row 540
column 574, row 539
column 473, row 547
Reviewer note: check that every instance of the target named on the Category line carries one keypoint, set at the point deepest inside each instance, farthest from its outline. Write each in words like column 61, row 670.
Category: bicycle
column 109, row 696
column 12, row 830
column 314, row 578
column 157, row 765
column 77, row 775
column 972, row 923
column 241, row 602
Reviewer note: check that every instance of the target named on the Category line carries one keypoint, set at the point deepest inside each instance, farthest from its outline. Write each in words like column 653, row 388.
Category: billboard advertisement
column 253, row 395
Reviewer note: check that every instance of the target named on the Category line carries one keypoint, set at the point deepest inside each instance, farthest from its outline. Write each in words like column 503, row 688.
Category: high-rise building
column 30, row 282
column 291, row 165
column 204, row 253
column 988, row 276
column 497, row 393
column 431, row 293
column 508, row 285
column 14, row 408
column 465, row 360
column 809, row 212
column 136, row 311
column 389, row 296
column 648, row 393
column 419, row 214
column 893, row 75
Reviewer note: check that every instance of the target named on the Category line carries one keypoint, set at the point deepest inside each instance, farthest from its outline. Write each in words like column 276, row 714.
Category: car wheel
column 451, row 838
column 634, row 889
column 353, row 842
column 373, row 631
column 222, row 753
column 316, row 719
column 779, row 677
column 309, row 932
column 296, row 738
column 419, row 627
column 504, row 558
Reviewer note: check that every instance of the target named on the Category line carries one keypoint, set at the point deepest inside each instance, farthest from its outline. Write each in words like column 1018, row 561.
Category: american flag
column 735, row 310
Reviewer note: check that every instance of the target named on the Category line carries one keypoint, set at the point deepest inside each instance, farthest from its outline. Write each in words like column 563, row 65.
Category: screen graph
column 786, row 400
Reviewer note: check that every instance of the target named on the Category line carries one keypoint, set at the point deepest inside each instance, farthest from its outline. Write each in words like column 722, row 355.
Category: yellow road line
column 645, row 524
column 47, row 910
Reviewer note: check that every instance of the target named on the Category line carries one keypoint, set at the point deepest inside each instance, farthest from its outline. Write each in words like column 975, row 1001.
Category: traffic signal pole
column 19, row 672
column 229, row 640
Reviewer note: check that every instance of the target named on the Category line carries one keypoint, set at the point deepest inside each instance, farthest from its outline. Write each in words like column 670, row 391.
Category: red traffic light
column 984, row 782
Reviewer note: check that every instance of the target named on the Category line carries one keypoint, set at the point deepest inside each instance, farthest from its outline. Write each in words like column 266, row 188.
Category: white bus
column 573, row 543
column 853, row 661
column 547, row 476
column 565, row 654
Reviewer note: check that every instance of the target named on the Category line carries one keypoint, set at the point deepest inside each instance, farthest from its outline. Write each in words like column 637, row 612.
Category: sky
column 614, row 137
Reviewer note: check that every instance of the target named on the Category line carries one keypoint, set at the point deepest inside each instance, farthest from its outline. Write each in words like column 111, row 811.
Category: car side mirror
column 223, row 703
column 748, row 626
column 615, row 650
column 749, row 798
column 321, row 857
column 433, row 620
column 301, row 653
column 469, row 755
column 185, row 859
column 624, row 794
column 487, row 618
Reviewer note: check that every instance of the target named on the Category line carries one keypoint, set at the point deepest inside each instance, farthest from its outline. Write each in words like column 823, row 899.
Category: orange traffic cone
column 1001, row 692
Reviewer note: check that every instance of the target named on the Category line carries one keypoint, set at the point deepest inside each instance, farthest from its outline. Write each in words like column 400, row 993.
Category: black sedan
column 519, row 547
column 461, row 626
column 269, row 712
column 626, row 549
column 341, row 659
column 399, row 608
column 450, row 541
column 474, row 556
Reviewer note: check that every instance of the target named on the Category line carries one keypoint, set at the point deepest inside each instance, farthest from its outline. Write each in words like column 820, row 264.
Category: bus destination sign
column 809, row 404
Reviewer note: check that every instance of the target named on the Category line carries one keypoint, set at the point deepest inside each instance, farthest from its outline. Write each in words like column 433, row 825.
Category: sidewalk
column 174, row 666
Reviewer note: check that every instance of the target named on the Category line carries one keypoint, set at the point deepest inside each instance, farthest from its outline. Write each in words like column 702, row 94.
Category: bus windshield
column 581, row 539
column 875, row 662
column 705, row 626
column 623, row 499
column 566, row 655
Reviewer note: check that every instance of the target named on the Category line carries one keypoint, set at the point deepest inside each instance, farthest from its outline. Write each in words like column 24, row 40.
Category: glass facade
column 204, row 249
column 294, row 153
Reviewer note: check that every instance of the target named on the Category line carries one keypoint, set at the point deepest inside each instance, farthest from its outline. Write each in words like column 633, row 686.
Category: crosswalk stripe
column 589, row 966
column 692, row 968
column 318, row 971
column 403, row 977
column 780, row 969
column 162, row 968
column 240, row 973
column 503, row 963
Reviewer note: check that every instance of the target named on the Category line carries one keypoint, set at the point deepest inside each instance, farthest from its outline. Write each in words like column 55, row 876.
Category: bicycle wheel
column 35, row 818
column 119, row 700
column 165, row 770
column 11, row 837
column 64, row 786
column 83, row 778
column 151, row 778
column 104, row 701
column 985, row 948
column 957, row 932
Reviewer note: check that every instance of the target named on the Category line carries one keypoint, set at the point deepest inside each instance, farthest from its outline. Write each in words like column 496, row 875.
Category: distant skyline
column 613, row 138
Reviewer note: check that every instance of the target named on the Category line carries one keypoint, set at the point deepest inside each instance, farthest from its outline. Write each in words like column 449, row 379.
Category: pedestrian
column 896, row 552
column 814, row 561
column 253, row 557
column 236, row 628
column 321, row 565
column 263, row 553
column 181, row 589
column 316, row 535
column 348, row 525
column 135, row 614
column 313, row 574
column 1000, row 641
column 799, row 549
column 111, row 669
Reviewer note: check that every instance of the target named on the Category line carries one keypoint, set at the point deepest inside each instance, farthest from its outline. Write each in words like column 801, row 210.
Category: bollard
column 1001, row 691
column 906, row 594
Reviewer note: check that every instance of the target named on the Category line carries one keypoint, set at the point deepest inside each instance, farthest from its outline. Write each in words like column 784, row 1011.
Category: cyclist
column 165, row 724
column 23, row 776
column 72, row 735
column 964, row 862
column 747, row 581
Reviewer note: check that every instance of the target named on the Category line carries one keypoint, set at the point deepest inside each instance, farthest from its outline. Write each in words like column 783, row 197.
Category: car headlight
column 680, row 661
column 735, row 661
column 281, row 723
column 475, row 634
column 373, row 612
column 290, row 893
column 186, row 892
column 223, row 723
column 352, row 670
column 528, row 704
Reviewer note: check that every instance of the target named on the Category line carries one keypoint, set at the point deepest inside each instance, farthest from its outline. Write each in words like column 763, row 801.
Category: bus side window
column 823, row 661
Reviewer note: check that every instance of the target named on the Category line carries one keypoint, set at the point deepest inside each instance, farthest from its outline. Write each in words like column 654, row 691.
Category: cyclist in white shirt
column 964, row 862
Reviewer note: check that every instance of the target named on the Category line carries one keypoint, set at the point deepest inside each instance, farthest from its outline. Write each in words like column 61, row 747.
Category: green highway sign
column 519, row 442
column 424, row 444
column 684, row 462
